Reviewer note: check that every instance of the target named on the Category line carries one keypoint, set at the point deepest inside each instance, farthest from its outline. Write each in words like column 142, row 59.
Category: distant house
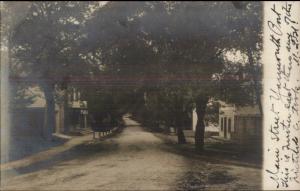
column 29, row 119
column 240, row 123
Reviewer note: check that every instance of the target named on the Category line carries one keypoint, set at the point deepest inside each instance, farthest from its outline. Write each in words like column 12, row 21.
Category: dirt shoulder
column 213, row 152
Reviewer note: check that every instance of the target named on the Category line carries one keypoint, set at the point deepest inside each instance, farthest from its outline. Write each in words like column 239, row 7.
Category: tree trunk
column 180, row 135
column 66, row 112
column 178, row 120
column 49, row 121
column 201, row 103
column 255, row 80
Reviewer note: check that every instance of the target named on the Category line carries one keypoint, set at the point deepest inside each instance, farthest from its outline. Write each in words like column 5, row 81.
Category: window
column 236, row 124
column 225, row 127
column 221, row 123
column 77, row 95
column 71, row 97
column 74, row 94
column 229, row 124
column 244, row 125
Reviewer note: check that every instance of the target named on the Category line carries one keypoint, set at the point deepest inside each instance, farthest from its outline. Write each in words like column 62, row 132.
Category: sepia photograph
column 148, row 95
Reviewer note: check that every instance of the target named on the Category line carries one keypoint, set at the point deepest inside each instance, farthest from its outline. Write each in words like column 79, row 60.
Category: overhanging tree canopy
column 178, row 43
column 46, row 48
column 139, row 44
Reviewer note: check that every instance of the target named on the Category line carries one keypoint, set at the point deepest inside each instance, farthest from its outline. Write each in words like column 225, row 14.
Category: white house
column 240, row 123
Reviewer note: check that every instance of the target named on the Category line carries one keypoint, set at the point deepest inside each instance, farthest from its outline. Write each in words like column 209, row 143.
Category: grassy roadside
column 214, row 152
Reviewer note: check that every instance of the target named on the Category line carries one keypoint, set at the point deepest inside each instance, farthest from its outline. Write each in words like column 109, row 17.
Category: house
column 240, row 123
column 29, row 118
column 28, row 114
column 77, row 109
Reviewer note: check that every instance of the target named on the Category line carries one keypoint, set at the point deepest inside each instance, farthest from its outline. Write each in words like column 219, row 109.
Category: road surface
column 132, row 160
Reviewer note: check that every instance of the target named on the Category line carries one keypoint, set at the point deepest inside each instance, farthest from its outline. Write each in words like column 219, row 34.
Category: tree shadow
column 207, row 169
column 24, row 146
column 81, row 154
column 243, row 159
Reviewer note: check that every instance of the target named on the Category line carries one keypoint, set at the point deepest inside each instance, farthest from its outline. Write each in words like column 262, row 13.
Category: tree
column 46, row 46
column 170, row 107
column 165, row 43
column 107, row 105
column 235, row 83
column 252, row 43
column 143, row 37
column 199, row 50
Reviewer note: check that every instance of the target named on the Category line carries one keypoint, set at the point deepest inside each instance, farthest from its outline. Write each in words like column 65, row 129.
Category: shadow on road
column 210, row 170
column 81, row 153
column 211, row 156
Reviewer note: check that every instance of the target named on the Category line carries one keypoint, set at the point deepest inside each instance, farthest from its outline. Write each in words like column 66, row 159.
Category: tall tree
column 46, row 47
column 253, row 48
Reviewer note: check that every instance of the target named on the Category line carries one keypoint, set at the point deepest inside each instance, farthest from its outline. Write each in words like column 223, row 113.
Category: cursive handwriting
column 283, row 94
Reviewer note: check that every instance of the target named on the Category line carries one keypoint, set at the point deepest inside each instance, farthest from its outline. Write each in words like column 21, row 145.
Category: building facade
column 29, row 119
column 240, row 123
column 77, row 109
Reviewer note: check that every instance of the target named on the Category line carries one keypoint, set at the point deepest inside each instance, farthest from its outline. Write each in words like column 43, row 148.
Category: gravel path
column 132, row 160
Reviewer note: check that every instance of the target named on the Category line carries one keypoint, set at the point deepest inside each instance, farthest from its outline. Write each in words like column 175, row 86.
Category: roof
column 249, row 110
column 39, row 100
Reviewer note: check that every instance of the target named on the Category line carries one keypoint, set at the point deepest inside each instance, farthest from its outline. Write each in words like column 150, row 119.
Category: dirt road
column 132, row 160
